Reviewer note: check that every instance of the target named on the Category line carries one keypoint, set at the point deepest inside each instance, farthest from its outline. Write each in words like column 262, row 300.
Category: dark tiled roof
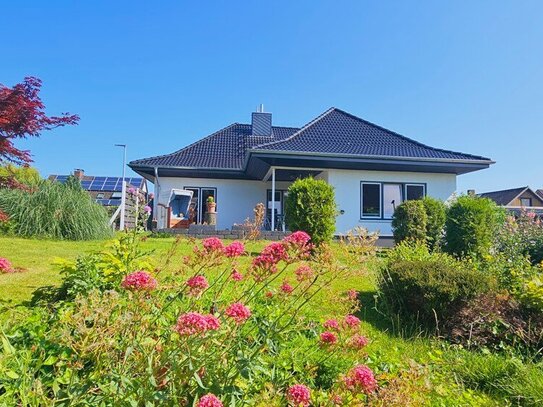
column 338, row 132
column 539, row 192
column 505, row 196
column 225, row 149
column 333, row 132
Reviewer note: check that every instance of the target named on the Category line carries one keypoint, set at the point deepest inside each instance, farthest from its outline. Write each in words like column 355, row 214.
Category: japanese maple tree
column 22, row 115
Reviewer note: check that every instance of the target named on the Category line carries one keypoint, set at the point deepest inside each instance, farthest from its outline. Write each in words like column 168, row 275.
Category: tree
column 20, row 176
column 22, row 115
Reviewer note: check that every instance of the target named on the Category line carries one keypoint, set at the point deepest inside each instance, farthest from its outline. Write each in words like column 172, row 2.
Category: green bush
column 471, row 226
column 436, row 215
column 56, row 211
column 424, row 284
column 310, row 206
column 410, row 221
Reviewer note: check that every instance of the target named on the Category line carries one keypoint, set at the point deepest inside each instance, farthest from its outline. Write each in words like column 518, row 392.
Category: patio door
column 279, row 208
column 198, row 207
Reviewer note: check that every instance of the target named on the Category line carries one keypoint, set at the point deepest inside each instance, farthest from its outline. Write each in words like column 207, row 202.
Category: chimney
column 79, row 173
column 261, row 123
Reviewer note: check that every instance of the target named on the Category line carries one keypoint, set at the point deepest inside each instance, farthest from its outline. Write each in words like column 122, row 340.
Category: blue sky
column 461, row 75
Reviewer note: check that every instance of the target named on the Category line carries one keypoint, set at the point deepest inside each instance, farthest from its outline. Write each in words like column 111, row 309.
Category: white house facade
column 371, row 169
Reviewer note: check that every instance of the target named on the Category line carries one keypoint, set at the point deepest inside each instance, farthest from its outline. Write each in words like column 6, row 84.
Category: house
column 517, row 199
column 107, row 191
column 372, row 170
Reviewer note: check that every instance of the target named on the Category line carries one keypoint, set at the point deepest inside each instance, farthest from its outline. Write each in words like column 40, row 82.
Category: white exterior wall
column 236, row 199
column 347, row 189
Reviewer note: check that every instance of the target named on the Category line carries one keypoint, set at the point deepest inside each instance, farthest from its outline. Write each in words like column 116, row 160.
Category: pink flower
column 213, row 244
column 286, row 287
column 276, row 251
column 266, row 262
column 303, row 273
column 299, row 395
column 147, row 209
column 132, row 191
column 331, row 324
column 234, row 249
column 238, row 312
column 197, row 285
column 357, row 341
column 352, row 321
column 139, row 281
column 352, row 294
column 193, row 323
column 209, row 400
column 298, row 238
column 236, row 275
column 360, row 379
column 5, row 265
column 328, row 338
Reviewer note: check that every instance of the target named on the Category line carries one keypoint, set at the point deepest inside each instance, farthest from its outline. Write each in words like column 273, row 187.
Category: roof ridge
column 300, row 129
column 506, row 190
column 408, row 138
column 186, row 147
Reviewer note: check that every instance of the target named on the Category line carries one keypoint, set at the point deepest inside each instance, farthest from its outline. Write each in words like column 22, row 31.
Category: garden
column 449, row 317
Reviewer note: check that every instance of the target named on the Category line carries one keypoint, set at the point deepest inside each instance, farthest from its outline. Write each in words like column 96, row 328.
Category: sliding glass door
column 198, row 207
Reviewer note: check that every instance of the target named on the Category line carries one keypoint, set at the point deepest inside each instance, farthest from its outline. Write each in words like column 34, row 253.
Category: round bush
column 410, row 221
column 56, row 211
column 436, row 214
column 471, row 226
column 310, row 206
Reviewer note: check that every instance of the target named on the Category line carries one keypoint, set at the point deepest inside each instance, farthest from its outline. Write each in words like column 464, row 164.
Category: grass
column 440, row 374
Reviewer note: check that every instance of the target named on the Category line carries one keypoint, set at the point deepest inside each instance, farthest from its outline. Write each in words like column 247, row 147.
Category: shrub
column 310, row 206
column 436, row 215
column 54, row 210
column 471, row 226
column 410, row 221
column 416, row 282
column 522, row 235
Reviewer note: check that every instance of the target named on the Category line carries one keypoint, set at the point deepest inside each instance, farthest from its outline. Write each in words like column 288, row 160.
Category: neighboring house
column 372, row 170
column 107, row 191
column 517, row 199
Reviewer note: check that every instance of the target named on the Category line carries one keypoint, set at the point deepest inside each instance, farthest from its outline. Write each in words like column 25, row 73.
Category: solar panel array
column 103, row 183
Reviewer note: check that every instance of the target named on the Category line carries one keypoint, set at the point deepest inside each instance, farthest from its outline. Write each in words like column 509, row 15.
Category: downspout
column 273, row 201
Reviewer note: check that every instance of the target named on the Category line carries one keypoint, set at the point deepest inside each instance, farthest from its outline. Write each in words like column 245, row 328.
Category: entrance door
column 279, row 208
column 198, row 207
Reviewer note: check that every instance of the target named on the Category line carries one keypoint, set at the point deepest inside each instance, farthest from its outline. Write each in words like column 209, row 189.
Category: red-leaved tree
column 22, row 115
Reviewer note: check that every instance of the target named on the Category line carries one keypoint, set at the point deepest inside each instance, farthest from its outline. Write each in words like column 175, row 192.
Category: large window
column 525, row 202
column 371, row 200
column 198, row 207
column 379, row 200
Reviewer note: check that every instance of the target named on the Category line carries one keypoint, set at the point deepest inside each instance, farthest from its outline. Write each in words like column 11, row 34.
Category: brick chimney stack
column 79, row 173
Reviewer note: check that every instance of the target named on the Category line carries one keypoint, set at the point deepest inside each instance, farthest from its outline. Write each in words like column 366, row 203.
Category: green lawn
column 390, row 344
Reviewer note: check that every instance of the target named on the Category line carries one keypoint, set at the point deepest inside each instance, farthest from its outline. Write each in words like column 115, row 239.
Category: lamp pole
column 123, row 193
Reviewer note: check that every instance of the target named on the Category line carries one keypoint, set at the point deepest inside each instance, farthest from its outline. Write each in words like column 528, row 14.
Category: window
column 371, row 200
column 379, row 200
column 414, row 191
column 116, row 195
column 525, row 202
column 198, row 204
column 392, row 197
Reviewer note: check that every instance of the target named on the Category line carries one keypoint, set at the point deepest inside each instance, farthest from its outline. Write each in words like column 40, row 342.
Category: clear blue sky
column 462, row 75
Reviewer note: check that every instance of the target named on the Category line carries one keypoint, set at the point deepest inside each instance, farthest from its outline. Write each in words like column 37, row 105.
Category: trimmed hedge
column 409, row 221
column 310, row 206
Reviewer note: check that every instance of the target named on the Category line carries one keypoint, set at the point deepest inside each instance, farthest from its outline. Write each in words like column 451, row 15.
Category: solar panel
column 86, row 185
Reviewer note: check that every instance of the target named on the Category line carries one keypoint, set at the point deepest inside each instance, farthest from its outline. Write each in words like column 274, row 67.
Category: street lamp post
column 123, row 193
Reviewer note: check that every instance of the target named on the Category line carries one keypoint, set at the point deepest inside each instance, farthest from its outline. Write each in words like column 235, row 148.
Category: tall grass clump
column 55, row 211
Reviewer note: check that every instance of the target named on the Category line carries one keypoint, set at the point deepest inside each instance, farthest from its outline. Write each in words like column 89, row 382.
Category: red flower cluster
column 352, row 294
column 238, row 312
column 360, row 379
column 236, row 275
column 266, row 262
column 286, row 287
column 209, row 400
column 304, row 273
column 212, row 244
column 298, row 238
column 5, row 265
column 197, row 285
column 299, row 395
column 328, row 338
column 193, row 323
column 357, row 341
column 234, row 249
column 298, row 245
column 331, row 324
column 352, row 321
column 139, row 281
